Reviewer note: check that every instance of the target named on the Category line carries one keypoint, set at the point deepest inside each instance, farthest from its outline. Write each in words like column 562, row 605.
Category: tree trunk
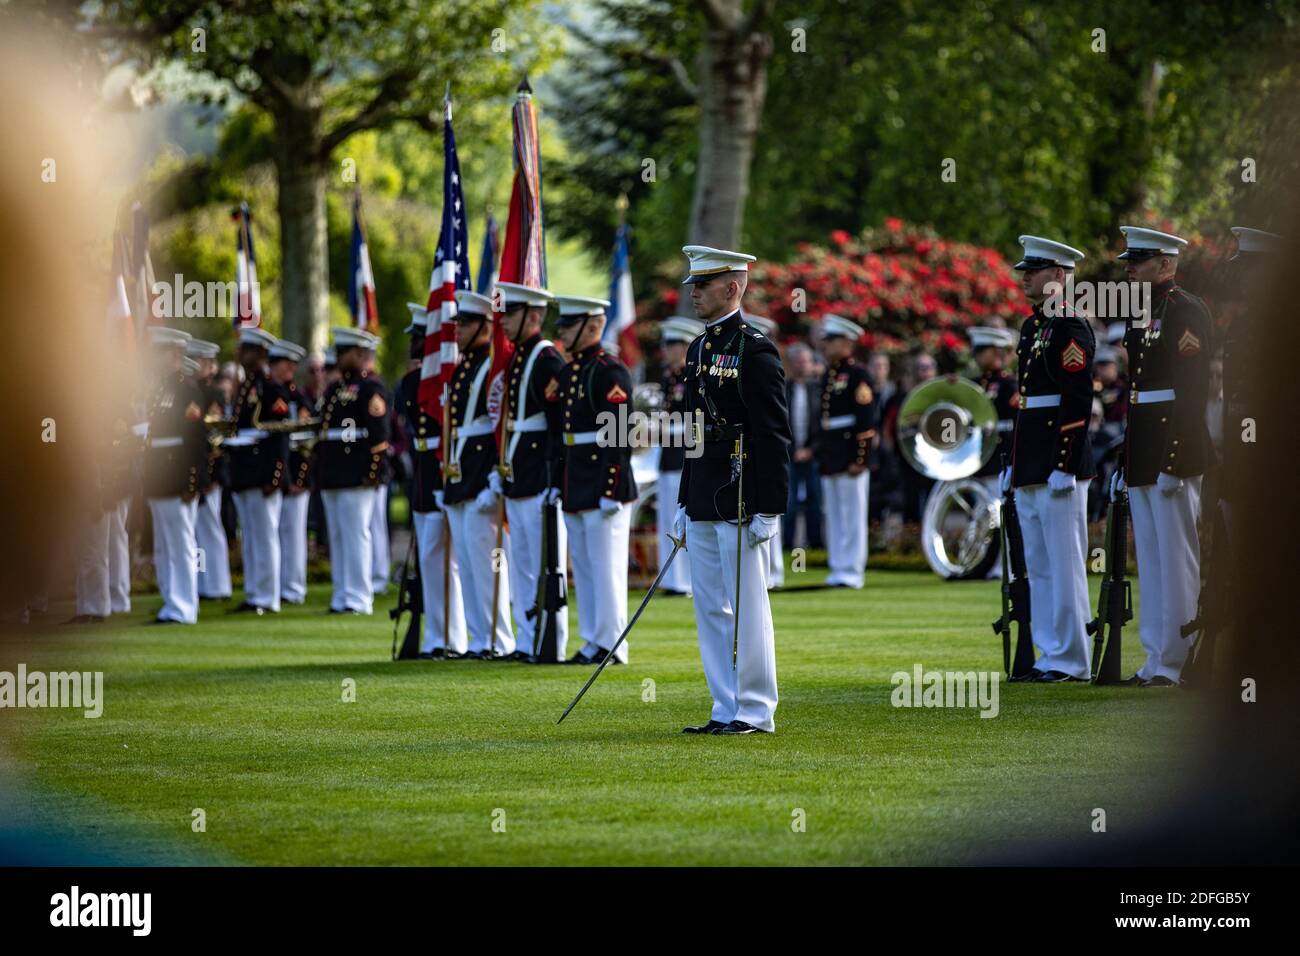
column 732, row 70
column 304, row 251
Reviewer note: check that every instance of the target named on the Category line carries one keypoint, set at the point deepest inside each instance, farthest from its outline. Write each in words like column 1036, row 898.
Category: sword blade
column 677, row 546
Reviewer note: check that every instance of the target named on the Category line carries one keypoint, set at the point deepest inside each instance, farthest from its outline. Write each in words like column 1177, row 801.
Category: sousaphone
column 948, row 430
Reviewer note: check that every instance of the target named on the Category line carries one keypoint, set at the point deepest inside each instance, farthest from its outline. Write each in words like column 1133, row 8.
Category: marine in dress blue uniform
column 598, row 488
column 1051, row 462
column 842, row 446
column 675, row 335
column 735, row 382
column 353, row 440
column 1166, row 449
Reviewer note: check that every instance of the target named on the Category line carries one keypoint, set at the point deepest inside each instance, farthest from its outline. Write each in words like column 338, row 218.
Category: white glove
column 680, row 522
column 1060, row 482
column 1116, row 486
column 1169, row 484
column 440, row 499
column 552, row 494
column 485, row 500
column 609, row 507
column 761, row 528
column 1004, row 480
column 495, row 482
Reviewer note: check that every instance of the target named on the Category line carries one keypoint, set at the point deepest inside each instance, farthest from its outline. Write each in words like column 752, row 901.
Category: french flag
column 361, row 290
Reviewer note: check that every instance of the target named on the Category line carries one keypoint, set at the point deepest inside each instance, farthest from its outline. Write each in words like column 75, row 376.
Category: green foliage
column 1048, row 135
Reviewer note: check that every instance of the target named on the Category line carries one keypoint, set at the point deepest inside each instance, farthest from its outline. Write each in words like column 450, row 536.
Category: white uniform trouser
column 776, row 558
column 104, row 564
column 844, row 504
column 293, row 547
column 214, row 574
column 1055, row 532
column 598, row 548
column 381, row 562
column 259, row 542
column 432, row 538
column 1169, row 572
column 119, row 558
column 747, row 692
column 347, row 516
column 678, row 577
column 525, row 517
column 175, row 558
column 474, row 536
column 993, row 485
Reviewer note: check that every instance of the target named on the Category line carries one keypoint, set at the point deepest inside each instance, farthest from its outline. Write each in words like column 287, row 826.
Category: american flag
column 450, row 272
column 487, row 264
column 619, row 336
column 142, row 266
column 361, row 290
column 248, row 308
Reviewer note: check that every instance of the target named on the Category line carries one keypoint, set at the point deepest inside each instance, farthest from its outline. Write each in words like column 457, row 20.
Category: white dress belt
column 344, row 434
column 1006, row 425
column 580, row 438
column 1139, row 397
column 1041, row 401
column 170, row 441
column 533, row 423
column 427, row 444
column 245, row 437
column 479, row 426
column 839, row 421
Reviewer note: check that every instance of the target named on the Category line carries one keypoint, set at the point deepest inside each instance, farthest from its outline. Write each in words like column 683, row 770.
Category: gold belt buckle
column 568, row 438
column 697, row 433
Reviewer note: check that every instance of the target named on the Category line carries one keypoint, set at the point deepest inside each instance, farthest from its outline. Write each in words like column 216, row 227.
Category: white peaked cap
column 836, row 326
column 679, row 328
column 1149, row 242
column 255, row 335
column 199, row 349
column 283, row 349
column 707, row 261
column 984, row 335
column 472, row 303
column 165, row 337
column 1256, row 241
column 516, row 294
column 576, row 306
column 1043, row 253
column 419, row 315
column 345, row 335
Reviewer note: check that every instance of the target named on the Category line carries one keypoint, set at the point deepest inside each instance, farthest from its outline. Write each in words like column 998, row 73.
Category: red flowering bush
column 905, row 285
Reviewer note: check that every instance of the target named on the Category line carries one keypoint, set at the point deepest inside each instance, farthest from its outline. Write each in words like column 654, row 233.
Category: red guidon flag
column 523, row 252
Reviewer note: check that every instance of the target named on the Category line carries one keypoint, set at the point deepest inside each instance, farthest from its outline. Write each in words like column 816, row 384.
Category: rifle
column 1015, row 594
column 1211, row 608
column 410, row 597
column 1115, row 602
column 552, row 597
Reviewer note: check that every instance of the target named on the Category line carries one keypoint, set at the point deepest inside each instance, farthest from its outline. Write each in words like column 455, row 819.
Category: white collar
column 722, row 319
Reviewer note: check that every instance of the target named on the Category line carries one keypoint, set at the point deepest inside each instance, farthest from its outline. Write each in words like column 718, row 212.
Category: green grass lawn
column 244, row 718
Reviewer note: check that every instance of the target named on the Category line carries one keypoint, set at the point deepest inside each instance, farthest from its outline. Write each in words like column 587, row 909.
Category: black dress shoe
column 164, row 620
column 712, row 727
column 738, row 727
column 518, row 656
column 1159, row 681
column 1134, row 681
column 600, row 658
column 85, row 619
column 1048, row 677
column 580, row 658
